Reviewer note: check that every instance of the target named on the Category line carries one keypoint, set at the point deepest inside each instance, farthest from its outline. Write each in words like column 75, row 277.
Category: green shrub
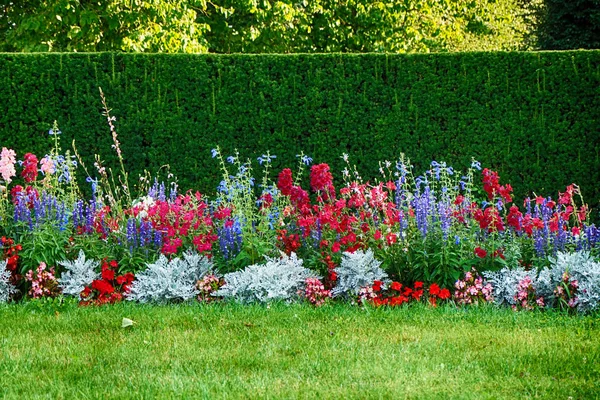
column 531, row 116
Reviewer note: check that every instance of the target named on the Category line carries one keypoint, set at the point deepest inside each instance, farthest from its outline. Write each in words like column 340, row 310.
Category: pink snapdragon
column 47, row 166
column 7, row 164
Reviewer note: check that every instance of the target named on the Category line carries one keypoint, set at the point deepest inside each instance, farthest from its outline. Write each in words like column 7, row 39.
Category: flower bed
column 437, row 237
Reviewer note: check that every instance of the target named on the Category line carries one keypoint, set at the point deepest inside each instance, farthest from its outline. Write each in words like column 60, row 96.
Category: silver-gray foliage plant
column 6, row 288
column 170, row 280
column 580, row 266
column 504, row 283
column 277, row 279
column 79, row 274
column 357, row 270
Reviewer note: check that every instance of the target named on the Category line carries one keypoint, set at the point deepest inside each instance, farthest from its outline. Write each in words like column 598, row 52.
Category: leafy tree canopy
column 258, row 26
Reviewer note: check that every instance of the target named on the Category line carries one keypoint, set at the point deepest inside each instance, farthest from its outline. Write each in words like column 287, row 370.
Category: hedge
column 532, row 116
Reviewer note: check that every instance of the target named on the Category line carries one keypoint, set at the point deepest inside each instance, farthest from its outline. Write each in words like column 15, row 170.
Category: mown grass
column 340, row 351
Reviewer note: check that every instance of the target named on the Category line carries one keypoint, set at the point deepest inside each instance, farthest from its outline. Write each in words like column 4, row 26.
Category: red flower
column 377, row 286
column 266, row 200
column 336, row 247
column 332, row 276
column 499, row 253
column 391, row 238
column 481, row 253
column 434, row 289
column 284, row 182
column 299, row 197
column 418, row 285
column 444, row 294
column 30, row 170
column 86, row 292
column 102, row 286
column 514, row 218
column 396, row 286
column 222, row 213
column 320, row 178
column 108, row 274
column 125, row 279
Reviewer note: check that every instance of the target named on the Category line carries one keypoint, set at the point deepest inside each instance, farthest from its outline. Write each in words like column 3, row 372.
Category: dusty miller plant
column 170, row 280
column 277, row 279
column 505, row 281
column 6, row 288
column 580, row 266
column 357, row 270
column 79, row 274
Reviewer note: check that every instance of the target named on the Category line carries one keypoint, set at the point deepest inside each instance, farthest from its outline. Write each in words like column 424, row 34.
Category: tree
column 360, row 26
column 262, row 26
column 87, row 25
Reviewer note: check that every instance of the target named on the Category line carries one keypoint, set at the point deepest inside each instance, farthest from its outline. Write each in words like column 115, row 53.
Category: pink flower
column 540, row 302
column 47, row 166
column 7, row 164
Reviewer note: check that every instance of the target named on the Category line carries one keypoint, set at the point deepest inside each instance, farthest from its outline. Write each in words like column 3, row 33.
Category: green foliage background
column 259, row 26
column 532, row 116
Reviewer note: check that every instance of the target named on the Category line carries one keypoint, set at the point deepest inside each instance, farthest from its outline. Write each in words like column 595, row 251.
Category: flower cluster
column 110, row 288
column 207, row 286
column 10, row 252
column 315, row 292
column 184, row 219
column 491, row 185
column 423, row 229
column 565, row 293
column 471, row 289
column 435, row 294
column 366, row 294
column 30, row 168
column 395, row 294
column 7, row 164
column 526, row 297
column 43, row 282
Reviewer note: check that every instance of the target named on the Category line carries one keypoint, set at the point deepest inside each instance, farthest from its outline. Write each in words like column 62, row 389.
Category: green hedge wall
column 532, row 116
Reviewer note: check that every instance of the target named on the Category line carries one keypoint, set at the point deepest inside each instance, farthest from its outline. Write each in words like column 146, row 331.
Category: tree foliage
column 91, row 25
column 358, row 26
column 259, row 26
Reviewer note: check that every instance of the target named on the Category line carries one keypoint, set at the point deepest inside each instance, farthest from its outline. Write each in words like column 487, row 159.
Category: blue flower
column 53, row 132
column 476, row 165
column 94, row 183
column 306, row 160
column 231, row 159
column 214, row 152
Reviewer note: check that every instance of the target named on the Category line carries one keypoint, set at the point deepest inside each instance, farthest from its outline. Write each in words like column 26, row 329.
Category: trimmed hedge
column 532, row 116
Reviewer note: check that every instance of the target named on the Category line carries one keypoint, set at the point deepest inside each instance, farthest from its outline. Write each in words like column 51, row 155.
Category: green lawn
column 231, row 351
